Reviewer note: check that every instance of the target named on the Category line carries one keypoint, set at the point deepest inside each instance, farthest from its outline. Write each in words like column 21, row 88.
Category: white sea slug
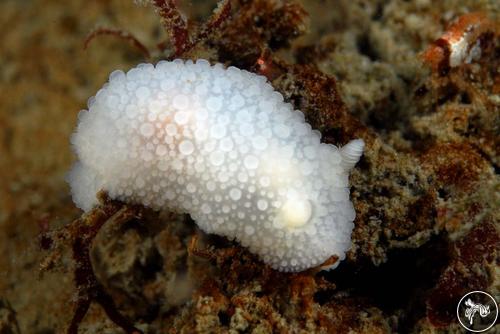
column 221, row 145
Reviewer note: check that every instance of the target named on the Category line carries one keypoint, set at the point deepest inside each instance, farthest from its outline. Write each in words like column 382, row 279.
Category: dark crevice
column 399, row 284
column 365, row 48
column 153, row 265
column 465, row 98
column 224, row 318
column 379, row 12
column 443, row 193
column 447, row 94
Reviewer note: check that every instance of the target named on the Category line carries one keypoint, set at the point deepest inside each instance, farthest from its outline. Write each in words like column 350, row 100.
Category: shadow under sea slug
column 223, row 146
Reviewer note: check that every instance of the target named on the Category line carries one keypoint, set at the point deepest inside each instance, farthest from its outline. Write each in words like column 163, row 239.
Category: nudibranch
column 221, row 145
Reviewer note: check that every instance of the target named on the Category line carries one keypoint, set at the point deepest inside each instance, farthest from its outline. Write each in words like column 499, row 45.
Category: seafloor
column 426, row 191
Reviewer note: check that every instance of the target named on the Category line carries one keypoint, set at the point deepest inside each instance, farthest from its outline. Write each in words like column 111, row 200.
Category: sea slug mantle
column 223, row 146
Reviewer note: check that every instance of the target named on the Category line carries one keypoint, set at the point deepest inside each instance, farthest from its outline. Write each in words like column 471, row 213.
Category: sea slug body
column 223, row 146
